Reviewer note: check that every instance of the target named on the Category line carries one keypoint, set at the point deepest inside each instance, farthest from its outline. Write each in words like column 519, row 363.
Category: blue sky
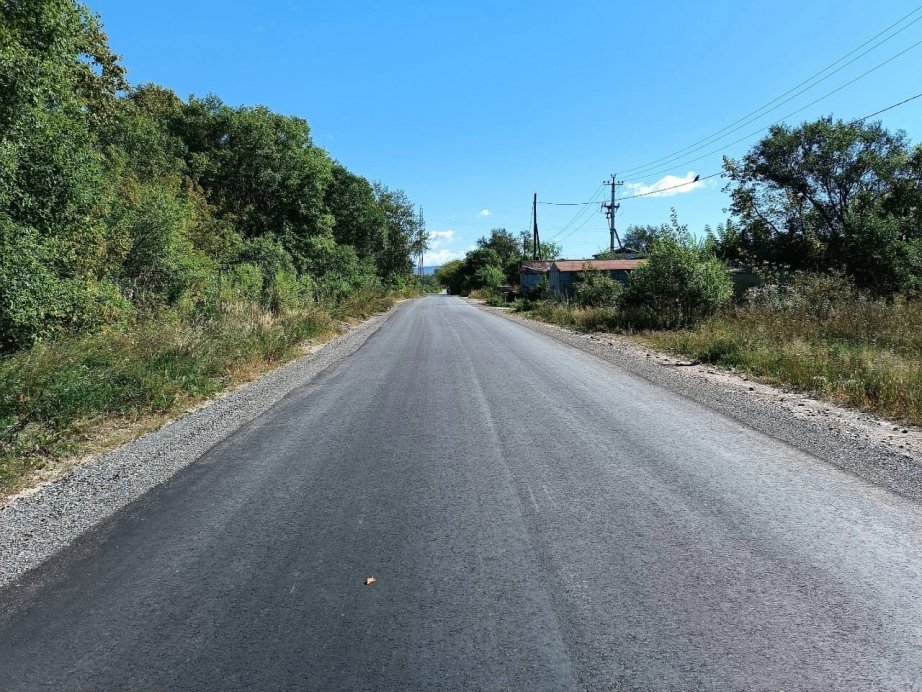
column 472, row 107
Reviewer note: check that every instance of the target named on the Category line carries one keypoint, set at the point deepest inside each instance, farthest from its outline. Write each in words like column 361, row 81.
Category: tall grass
column 861, row 353
column 572, row 316
column 78, row 394
column 815, row 334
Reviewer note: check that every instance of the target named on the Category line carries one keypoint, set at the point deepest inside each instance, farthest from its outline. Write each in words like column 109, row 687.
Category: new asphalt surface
column 535, row 518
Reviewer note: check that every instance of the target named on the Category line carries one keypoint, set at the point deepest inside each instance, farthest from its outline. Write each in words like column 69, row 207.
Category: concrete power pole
column 610, row 209
column 420, row 226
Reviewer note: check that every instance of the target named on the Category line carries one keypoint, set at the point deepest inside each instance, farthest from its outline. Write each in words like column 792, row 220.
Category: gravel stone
column 38, row 523
column 852, row 440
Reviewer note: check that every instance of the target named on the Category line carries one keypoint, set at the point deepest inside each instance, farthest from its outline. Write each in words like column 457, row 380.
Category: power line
column 763, row 110
column 888, row 108
column 789, row 115
column 581, row 213
column 714, row 175
column 697, row 180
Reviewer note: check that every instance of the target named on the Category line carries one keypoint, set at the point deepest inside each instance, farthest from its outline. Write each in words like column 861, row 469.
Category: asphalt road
column 535, row 519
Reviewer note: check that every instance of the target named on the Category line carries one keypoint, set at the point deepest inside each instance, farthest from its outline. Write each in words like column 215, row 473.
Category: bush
column 37, row 301
column 540, row 291
column 802, row 293
column 680, row 283
column 592, row 289
column 161, row 263
column 490, row 276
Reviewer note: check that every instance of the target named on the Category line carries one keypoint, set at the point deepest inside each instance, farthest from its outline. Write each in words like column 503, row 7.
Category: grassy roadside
column 80, row 395
column 853, row 351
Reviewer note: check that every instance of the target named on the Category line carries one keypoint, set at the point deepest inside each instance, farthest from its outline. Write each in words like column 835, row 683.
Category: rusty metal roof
column 535, row 266
column 597, row 265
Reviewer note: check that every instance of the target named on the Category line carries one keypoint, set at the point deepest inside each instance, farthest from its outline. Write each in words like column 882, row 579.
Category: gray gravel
column 36, row 526
column 871, row 448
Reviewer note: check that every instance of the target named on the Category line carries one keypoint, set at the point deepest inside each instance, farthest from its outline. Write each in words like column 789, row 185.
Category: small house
column 562, row 272
column 531, row 273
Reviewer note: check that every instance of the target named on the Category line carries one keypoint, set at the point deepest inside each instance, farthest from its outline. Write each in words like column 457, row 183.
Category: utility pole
column 420, row 232
column 536, row 240
column 610, row 209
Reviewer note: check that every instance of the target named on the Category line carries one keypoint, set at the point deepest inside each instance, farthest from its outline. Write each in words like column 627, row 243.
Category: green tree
column 357, row 219
column 60, row 82
column 395, row 259
column 507, row 250
column 680, row 282
column 825, row 195
column 596, row 289
column 642, row 237
column 450, row 276
column 260, row 170
column 550, row 251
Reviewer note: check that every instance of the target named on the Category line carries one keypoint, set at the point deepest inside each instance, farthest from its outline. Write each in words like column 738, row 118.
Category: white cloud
column 484, row 213
column 436, row 258
column 438, row 237
column 438, row 254
column 661, row 187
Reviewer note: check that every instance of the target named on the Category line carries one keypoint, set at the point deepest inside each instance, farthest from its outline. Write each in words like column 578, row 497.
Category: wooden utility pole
column 536, row 240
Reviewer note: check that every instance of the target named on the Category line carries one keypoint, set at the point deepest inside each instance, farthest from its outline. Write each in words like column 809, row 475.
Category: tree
column 59, row 83
column 549, row 251
column 395, row 259
column 819, row 196
column 596, row 289
column 113, row 197
column 726, row 241
column 508, row 255
column 641, row 237
column 260, row 170
column 357, row 219
column 451, row 277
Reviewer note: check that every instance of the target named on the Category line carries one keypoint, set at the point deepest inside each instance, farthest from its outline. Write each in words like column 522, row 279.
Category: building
column 531, row 273
column 562, row 272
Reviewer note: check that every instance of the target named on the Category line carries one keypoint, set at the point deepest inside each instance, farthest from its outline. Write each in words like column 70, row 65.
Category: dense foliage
column 831, row 195
column 119, row 200
column 494, row 262
column 680, row 282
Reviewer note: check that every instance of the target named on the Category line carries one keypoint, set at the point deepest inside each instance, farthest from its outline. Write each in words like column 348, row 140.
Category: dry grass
column 80, row 395
column 572, row 316
column 817, row 336
column 861, row 353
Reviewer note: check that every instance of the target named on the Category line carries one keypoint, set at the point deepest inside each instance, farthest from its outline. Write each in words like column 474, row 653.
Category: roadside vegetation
column 155, row 250
column 493, row 263
column 819, row 334
column 814, row 283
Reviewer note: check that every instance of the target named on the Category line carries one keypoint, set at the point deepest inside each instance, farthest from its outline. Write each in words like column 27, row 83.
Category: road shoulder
column 37, row 524
column 882, row 452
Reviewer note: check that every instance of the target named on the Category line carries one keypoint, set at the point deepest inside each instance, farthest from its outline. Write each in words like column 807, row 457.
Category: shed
column 531, row 274
column 562, row 272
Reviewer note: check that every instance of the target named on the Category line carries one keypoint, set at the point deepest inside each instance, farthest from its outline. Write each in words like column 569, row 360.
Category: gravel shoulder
column 880, row 451
column 38, row 523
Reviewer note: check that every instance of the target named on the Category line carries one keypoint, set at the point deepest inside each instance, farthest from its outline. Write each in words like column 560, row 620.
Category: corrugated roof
column 597, row 265
column 535, row 266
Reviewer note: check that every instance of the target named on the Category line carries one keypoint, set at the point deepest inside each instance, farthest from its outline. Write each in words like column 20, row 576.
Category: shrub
column 38, row 300
column 161, row 263
column 596, row 289
column 802, row 293
column 680, row 283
